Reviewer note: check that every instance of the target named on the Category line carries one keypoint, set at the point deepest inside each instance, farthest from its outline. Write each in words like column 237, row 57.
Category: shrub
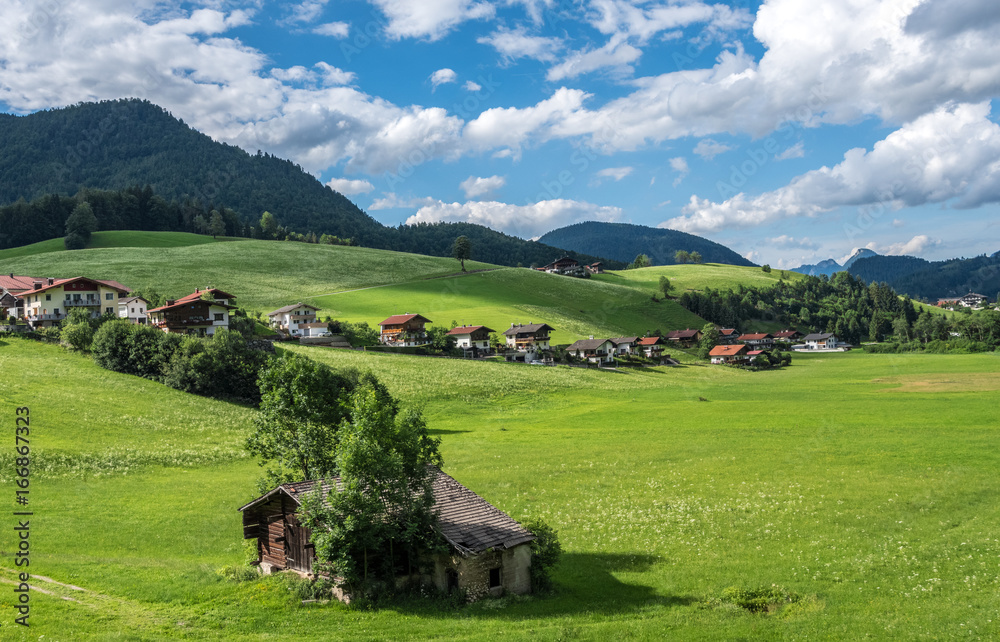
column 78, row 336
column 760, row 599
column 545, row 552
column 110, row 345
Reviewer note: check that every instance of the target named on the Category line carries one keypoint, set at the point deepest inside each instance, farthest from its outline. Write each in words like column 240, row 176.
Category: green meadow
column 864, row 484
column 698, row 277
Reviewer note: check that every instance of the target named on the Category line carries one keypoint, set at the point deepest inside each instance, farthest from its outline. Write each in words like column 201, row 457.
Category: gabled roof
column 755, row 337
column 16, row 283
column 818, row 337
column 215, row 292
column 398, row 319
column 527, row 328
column 589, row 344
column 469, row 329
column 180, row 303
column 784, row 334
column 132, row 299
column 727, row 332
column 620, row 340
column 467, row 521
column 754, row 353
column 115, row 285
column 650, row 341
column 683, row 334
column 727, row 351
column 289, row 308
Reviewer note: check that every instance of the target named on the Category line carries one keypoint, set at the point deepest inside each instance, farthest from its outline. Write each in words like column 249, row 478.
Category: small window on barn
column 495, row 577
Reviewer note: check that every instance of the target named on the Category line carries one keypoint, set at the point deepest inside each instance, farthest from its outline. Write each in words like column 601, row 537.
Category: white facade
column 50, row 302
column 133, row 308
column 293, row 318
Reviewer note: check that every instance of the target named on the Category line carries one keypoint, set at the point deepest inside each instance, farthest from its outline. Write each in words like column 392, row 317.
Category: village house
column 489, row 551
column 595, row 268
column 11, row 288
column 405, row 330
column 972, row 300
column 528, row 342
column 599, row 351
column 292, row 318
column 728, row 336
column 686, row 337
column 559, row 266
column 948, row 302
column 133, row 308
column 472, row 338
column 821, row 341
column 202, row 312
column 758, row 341
column 651, row 347
column 729, row 355
column 788, row 336
column 313, row 330
column 625, row 345
column 48, row 302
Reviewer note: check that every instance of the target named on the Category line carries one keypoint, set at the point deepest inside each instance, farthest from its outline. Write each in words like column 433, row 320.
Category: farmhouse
column 651, row 347
column 759, row 341
column 686, row 337
column 599, row 351
column 728, row 336
column 560, row 265
column 48, row 302
column 292, row 318
column 625, row 345
column 133, row 308
column 822, row 341
column 488, row 549
column 595, row 268
column 529, row 337
column 729, row 355
column 788, row 335
column 202, row 312
column 475, row 338
column 405, row 330
column 972, row 300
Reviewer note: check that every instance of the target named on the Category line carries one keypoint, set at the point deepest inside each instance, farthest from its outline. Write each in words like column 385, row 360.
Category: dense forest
column 141, row 168
column 927, row 280
column 624, row 241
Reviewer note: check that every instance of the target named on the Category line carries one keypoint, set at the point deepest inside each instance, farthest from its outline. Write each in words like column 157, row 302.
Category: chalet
column 789, row 336
column 291, row 318
column 405, row 330
column 729, row 355
column 487, row 549
column 753, row 354
column 625, row 345
column 528, row 342
column 728, row 336
column 972, row 300
column 595, row 268
column 822, row 341
column 559, row 266
column 48, row 302
column 686, row 337
column 599, row 351
column 759, row 341
column 202, row 312
column 475, row 338
column 651, row 347
column 133, row 308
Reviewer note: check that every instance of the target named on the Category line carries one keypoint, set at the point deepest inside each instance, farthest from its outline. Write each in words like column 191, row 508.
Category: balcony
column 87, row 303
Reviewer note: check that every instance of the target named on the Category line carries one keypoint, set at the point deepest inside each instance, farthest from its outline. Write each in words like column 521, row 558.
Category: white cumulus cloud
column 709, row 149
column 525, row 221
column 476, row 186
column 443, row 76
column 430, row 19
column 349, row 187
column 914, row 247
column 680, row 165
column 334, row 29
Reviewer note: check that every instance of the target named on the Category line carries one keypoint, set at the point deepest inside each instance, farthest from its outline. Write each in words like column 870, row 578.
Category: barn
column 489, row 551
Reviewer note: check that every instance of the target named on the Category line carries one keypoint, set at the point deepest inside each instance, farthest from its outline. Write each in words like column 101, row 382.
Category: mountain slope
column 118, row 145
column 830, row 267
column 931, row 280
column 624, row 241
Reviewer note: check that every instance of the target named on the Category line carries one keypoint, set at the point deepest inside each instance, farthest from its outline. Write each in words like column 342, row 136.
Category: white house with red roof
column 651, row 347
column 405, row 330
column 472, row 337
column 728, row 355
column 48, row 302
column 202, row 312
column 294, row 318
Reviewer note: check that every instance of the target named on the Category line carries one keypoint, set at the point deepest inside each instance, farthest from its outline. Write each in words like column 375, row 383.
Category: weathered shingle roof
column 620, row 340
column 289, row 308
column 588, row 344
column 683, row 334
column 467, row 521
column 527, row 328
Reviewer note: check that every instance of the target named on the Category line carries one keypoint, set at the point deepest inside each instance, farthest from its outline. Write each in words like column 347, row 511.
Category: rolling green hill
column 697, row 277
column 265, row 275
column 624, row 241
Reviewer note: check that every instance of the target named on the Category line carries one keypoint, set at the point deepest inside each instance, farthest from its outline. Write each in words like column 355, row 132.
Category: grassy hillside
column 697, row 277
column 576, row 308
column 113, row 239
column 881, row 516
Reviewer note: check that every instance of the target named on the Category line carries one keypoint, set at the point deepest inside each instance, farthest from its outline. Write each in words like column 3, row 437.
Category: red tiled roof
column 727, row 351
column 469, row 329
column 649, row 341
column 754, row 353
column 727, row 331
column 60, row 282
column 398, row 319
column 755, row 337
column 16, row 283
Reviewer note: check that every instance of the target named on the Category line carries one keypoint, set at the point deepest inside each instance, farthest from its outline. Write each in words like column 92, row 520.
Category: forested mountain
column 931, row 280
column 141, row 168
column 624, row 241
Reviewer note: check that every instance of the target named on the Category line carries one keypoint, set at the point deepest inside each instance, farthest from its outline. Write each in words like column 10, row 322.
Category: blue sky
column 790, row 131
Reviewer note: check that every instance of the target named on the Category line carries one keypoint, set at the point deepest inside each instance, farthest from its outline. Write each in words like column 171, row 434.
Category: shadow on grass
column 440, row 431
column 584, row 583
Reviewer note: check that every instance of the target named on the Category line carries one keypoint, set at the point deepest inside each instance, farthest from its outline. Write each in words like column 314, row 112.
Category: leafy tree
column 216, row 225
column 79, row 226
column 545, row 553
column 665, row 286
column 766, row 268
column 302, row 406
column 641, row 261
column 77, row 335
column 462, row 250
column 110, row 346
column 200, row 224
column 439, row 339
column 901, row 329
column 382, row 517
column 682, row 256
column 709, row 339
column 695, row 257
column 268, row 225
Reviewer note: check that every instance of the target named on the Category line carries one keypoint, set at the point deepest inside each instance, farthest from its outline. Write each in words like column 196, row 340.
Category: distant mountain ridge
column 829, row 267
column 120, row 144
column 624, row 241
column 930, row 280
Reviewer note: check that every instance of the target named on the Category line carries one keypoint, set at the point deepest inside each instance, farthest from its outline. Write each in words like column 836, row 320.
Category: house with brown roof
column 202, row 312
column 487, row 549
column 728, row 336
column 685, row 337
column 292, row 318
column 599, row 351
column 528, row 341
column 757, row 341
column 405, row 330
column 651, row 347
column 475, row 338
column 729, row 355
column 788, row 335
column 625, row 345
column 48, row 302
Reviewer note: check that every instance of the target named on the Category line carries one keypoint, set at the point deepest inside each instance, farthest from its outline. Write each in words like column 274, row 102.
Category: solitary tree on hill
column 79, row 226
column 665, row 286
column 682, row 256
column 462, row 250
